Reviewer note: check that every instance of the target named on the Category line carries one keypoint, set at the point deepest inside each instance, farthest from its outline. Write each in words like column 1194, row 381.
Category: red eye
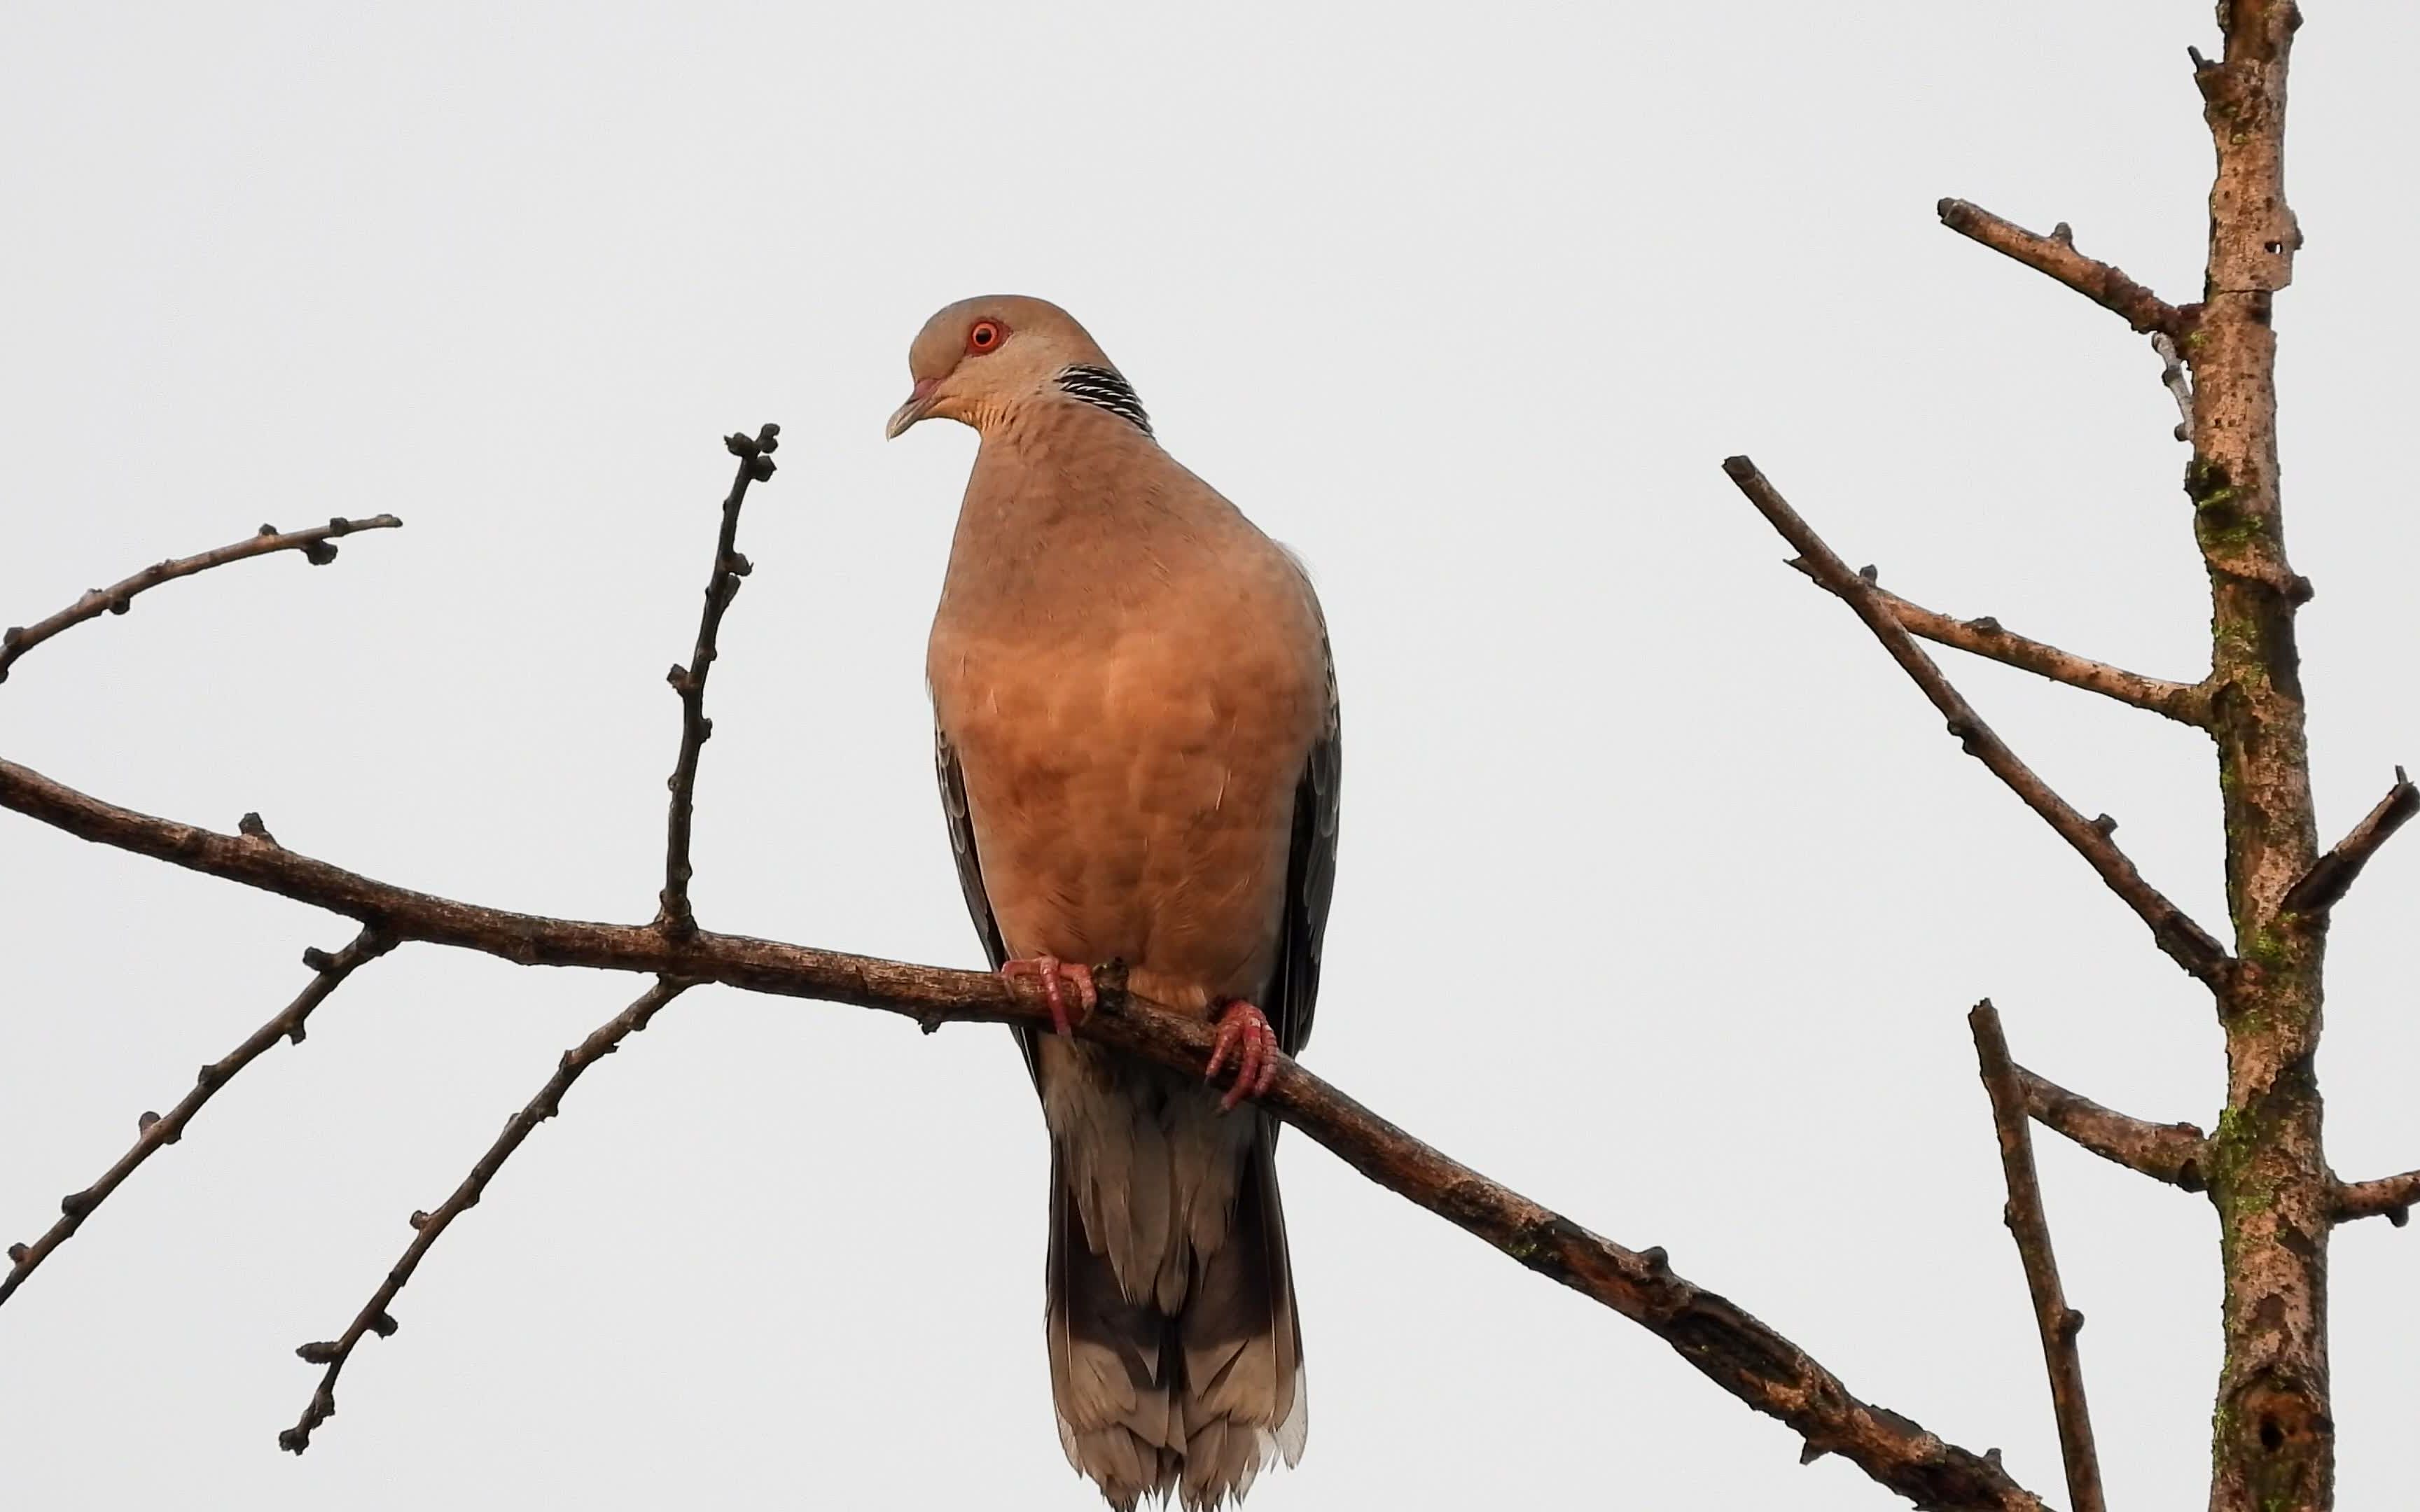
column 986, row 336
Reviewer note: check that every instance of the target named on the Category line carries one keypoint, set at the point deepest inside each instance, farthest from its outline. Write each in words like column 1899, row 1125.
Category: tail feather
column 1192, row 1402
column 1115, row 1416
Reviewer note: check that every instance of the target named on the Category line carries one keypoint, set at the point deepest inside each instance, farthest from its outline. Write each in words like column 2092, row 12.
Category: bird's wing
column 970, row 882
column 1310, row 876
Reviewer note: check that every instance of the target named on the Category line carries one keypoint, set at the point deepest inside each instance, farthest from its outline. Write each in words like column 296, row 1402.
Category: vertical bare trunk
column 2274, row 1446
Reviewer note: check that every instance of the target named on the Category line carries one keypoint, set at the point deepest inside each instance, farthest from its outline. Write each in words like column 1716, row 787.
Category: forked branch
column 1731, row 1348
column 674, row 921
column 153, row 1130
column 2185, row 942
column 1723, row 1342
column 2058, row 1323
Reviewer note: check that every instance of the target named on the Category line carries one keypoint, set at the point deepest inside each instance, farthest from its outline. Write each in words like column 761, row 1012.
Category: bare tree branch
column 2331, row 876
column 2177, row 1153
column 375, row 1318
column 317, row 546
column 1738, row 1352
column 2389, row 1197
column 2058, row 1323
column 2185, row 942
column 156, row 1129
column 755, row 455
column 674, row 921
column 931, row 995
column 2185, row 702
column 2055, row 254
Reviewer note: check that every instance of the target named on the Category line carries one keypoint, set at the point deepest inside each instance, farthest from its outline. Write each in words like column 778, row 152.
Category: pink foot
column 1054, row 975
column 1244, row 1033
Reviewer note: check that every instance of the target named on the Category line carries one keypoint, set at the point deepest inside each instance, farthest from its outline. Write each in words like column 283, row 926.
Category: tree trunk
column 2273, row 1445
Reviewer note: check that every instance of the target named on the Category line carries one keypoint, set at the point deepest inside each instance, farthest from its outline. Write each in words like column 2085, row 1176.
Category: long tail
column 1196, row 1401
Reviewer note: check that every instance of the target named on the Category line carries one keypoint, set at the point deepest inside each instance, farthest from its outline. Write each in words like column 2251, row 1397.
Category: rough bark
column 2273, row 1436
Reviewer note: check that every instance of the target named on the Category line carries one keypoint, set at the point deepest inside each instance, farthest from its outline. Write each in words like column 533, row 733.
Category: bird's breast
column 1131, row 792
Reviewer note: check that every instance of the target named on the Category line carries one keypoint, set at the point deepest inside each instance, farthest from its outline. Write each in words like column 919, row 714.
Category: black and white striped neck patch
column 1103, row 388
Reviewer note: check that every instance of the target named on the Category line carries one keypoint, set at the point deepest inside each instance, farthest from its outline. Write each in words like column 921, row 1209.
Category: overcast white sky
column 1663, row 893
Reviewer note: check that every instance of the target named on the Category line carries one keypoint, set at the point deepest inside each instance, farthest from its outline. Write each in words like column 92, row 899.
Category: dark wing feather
column 970, row 882
column 1310, row 878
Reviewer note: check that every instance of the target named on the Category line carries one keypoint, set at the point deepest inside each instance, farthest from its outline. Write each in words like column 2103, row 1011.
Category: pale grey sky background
column 1663, row 894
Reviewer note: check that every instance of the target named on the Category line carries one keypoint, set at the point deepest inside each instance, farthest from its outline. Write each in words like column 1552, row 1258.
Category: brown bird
column 1135, row 730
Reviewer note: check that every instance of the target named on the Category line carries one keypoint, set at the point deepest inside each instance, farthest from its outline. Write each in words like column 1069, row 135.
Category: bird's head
column 978, row 360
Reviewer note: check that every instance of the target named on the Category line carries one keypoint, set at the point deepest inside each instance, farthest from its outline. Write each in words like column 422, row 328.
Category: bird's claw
column 1245, row 1035
column 1054, row 975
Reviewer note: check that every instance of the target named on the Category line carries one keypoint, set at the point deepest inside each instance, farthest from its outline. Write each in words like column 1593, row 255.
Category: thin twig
column 2389, row 1197
column 157, row 1128
column 2185, row 942
column 374, row 1318
column 2101, row 283
column 755, row 455
column 1738, row 1352
column 675, row 920
column 2058, row 1323
column 2185, row 702
column 2331, row 876
column 317, row 546
column 2172, row 1152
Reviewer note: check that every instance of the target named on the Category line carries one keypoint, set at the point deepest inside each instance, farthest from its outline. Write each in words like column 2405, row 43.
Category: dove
column 1137, row 740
